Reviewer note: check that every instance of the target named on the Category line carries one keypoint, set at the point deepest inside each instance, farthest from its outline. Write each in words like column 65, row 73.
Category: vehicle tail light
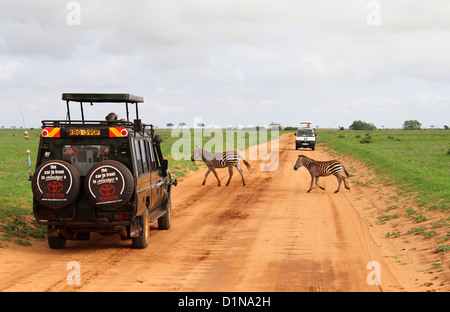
column 46, row 216
column 124, row 216
column 51, row 132
column 118, row 132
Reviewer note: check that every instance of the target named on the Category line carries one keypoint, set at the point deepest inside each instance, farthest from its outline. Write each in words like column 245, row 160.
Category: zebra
column 225, row 159
column 322, row 168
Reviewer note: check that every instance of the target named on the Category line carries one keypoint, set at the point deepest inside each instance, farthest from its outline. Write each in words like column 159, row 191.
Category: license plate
column 76, row 132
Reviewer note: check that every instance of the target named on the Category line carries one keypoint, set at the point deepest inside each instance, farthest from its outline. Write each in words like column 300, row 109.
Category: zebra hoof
column 308, row 191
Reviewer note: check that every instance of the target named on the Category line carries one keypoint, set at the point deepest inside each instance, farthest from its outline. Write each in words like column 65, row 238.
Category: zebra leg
column 339, row 186
column 317, row 179
column 206, row 175
column 217, row 177
column 230, row 171
column 238, row 167
column 345, row 183
column 312, row 180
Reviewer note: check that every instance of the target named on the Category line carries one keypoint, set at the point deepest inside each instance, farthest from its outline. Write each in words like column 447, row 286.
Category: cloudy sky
column 230, row 62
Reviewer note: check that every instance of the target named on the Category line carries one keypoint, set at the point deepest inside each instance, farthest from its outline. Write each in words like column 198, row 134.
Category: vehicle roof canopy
column 124, row 98
column 102, row 97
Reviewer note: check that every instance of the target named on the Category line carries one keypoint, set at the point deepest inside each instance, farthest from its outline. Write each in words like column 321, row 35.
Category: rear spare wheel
column 55, row 184
column 109, row 184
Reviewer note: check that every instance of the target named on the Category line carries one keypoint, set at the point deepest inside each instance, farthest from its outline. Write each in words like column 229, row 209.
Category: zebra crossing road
column 269, row 235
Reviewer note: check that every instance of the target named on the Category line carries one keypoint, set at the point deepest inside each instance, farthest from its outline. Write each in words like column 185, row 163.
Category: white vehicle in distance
column 305, row 136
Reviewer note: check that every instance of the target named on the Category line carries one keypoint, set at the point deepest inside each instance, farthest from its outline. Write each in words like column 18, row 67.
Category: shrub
column 362, row 125
column 367, row 139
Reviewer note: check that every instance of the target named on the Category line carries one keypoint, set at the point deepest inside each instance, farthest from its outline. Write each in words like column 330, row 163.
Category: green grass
column 16, row 223
column 15, row 188
column 418, row 161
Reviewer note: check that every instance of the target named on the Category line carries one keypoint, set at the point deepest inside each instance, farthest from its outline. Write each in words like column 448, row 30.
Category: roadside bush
column 367, row 139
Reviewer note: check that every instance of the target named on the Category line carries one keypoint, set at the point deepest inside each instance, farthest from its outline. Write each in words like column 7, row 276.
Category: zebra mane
column 306, row 159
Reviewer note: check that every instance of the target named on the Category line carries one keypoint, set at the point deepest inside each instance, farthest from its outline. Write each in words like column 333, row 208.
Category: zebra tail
column 247, row 164
column 345, row 170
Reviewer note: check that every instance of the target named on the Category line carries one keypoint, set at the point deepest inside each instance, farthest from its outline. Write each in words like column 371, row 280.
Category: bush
column 367, row 139
column 362, row 125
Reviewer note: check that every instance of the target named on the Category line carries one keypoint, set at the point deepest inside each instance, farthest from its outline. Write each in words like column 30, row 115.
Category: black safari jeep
column 107, row 176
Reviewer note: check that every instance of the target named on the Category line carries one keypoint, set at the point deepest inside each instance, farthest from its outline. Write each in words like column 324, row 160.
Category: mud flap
column 135, row 230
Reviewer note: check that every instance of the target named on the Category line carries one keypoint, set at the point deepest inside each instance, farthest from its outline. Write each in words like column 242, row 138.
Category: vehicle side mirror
column 158, row 138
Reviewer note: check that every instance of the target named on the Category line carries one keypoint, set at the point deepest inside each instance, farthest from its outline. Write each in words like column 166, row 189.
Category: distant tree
column 362, row 125
column 446, row 127
column 170, row 125
column 411, row 125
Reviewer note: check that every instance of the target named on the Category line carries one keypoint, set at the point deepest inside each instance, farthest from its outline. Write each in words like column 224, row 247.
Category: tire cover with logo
column 109, row 184
column 55, row 184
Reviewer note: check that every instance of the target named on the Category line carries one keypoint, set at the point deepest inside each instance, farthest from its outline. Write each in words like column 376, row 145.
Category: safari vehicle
column 305, row 136
column 106, row 176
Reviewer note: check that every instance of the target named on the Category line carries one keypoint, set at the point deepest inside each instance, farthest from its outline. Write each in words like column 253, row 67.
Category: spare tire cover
column 55, row 184
column 109, row 184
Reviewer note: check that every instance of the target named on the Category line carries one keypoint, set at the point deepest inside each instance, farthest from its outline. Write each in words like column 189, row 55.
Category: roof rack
column 105, row 98
column 102, row 97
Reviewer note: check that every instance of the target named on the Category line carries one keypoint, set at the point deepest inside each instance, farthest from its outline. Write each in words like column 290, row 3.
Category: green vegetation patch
column 417, row 160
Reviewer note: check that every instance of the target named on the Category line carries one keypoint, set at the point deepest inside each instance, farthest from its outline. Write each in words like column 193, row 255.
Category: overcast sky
column 230, row 62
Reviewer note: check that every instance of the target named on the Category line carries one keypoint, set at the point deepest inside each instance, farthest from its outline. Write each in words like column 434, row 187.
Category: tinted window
column 153, row 164
column 144, row 155
column 83, row 157
column 137, row 152
column 305, row 133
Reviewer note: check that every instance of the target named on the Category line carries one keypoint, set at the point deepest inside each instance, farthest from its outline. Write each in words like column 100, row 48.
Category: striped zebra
column 225, row 159
column 321, row 169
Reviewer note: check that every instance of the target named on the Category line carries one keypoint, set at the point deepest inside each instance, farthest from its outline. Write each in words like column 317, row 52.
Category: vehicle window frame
column 144, row 155
column 138, row 157
column 153, row 163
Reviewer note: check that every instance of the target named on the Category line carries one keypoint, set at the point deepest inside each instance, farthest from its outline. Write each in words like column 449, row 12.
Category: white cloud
column 9, row 69
column 226, row 60
column 433, row 100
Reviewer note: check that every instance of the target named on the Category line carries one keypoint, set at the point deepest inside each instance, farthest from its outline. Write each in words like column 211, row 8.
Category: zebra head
column 299, row 162
column 197, row 153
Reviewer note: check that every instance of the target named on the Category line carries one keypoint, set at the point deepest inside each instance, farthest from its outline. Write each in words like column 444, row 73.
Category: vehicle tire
column 57, row 242
column 109, row 184
column 55, row 184
column 141, row 241
column 164, row 221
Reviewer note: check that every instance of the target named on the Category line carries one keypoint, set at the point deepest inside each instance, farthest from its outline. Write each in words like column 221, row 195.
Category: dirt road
column 267, row 236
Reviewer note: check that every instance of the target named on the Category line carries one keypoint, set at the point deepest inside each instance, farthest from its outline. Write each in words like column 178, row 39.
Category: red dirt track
column 267, row 236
